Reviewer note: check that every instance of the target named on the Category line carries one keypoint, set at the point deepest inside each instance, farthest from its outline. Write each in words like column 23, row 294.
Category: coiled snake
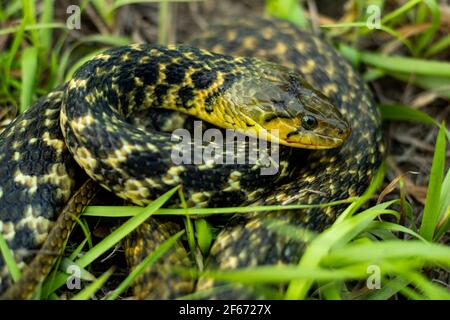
column 308, row 92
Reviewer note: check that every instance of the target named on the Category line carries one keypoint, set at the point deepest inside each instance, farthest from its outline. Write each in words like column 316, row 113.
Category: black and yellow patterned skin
column 36, row 179
column 324, row 176
column 138, row 165
column 37, row 170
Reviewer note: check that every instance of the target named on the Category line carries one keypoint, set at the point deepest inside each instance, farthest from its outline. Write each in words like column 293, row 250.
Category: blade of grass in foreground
column 204, row 235
column 398, row 249
column 113, row 238
column 400, row 112
column 9, row 259
column 389, row 226
column 400, row 11
column 122, row 231
column 431, row 290
column 129, row 211
column 444, row 210
column 430, row 217
column 399, row 63
column 148, row 261
column 375, row 184
column 405, row 113
column 439, row 46
column 426, row 37
column 340, row 233
column 285, row 273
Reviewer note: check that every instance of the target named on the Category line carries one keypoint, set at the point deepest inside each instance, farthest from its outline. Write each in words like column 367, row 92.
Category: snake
column 110, row 127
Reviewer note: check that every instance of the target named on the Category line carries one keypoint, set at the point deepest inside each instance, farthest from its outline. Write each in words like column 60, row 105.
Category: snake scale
column 307, row 91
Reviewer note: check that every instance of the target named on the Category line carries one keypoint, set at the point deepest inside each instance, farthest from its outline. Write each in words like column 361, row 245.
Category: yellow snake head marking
column 281, row 106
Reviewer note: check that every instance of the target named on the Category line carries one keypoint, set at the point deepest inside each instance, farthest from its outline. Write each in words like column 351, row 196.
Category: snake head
column 285, row 108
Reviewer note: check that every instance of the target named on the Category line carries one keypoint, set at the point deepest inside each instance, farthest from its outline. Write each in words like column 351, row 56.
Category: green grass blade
column 411, row 294
column 396, row 112
column 389, row 249
column 445, row 195
column 129, row 211
column 147, row 262
column 395, row 227
column 10, row 9
column 105, row 39
column 426, row 37
column 8, row 257
column 439, row 46
column 32, row 27
column 445, row 226
column 431, row 290
column 285, row 273
column 113, row 238
column 45, row 34
column 204, row 235
column 29, row 15
column 331, row 291
column 336, row 236
column 400, row 63
column 85, row 229
column 431, row 211
column 373, row 187
column 400, row 11
column 388, row 290
column 122, row 231
column 103, row 9
column 29, row 66
column 78, row 249
column 190, row 235
column 10, row 56
column 287, row 9
column 58, row 279
column 444, row 208
column 438, row 85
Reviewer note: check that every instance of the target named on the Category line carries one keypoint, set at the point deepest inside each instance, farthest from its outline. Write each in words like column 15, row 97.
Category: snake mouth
column 316, row 142
column 313, row 141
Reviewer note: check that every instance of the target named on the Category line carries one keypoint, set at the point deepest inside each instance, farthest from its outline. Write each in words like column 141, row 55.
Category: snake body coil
column 37, row 158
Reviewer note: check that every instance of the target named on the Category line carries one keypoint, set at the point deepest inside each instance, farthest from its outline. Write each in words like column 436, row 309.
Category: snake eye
column 309, row 122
